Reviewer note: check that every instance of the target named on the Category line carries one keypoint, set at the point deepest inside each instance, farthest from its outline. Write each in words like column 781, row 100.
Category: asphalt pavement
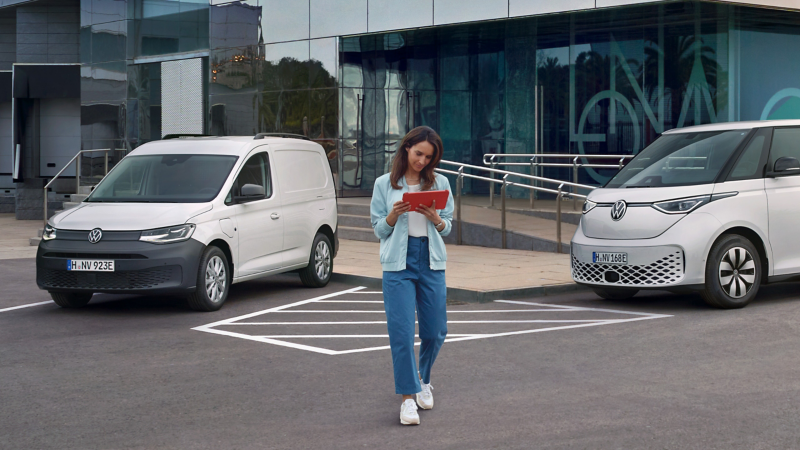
column 285, row 367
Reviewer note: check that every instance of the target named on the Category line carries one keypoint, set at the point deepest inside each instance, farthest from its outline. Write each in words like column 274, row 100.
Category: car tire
column 320, row 264
column 213, row 281
column 71, row 299
column 615, row 294
column 733, row 273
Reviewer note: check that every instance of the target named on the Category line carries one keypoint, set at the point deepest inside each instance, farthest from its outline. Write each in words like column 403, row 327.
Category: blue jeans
column 417, row 287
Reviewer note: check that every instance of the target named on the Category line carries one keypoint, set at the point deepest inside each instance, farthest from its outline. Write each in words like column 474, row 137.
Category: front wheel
column 733, row 273
column 213, row 281
column 70, row 300
column 615, row 294
column 320, row 264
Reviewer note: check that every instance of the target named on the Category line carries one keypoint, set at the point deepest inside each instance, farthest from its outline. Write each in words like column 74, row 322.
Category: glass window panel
column 107, row 10
column 109, row 41
column 234, row 114
column 284, row 112
column 358, row 58
column 281, row 22
column 323, row 65
column 233, row 70
column 324, row 118
column 234, row 25
column 171, row 26
column 285, row 66
column 749, row 164
column 337, row 17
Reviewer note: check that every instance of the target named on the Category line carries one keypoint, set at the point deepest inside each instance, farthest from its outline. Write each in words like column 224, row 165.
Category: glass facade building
column 490, row 76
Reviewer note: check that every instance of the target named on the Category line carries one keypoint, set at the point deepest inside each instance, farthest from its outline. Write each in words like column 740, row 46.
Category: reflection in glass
column 109, row 42
column 284, row 21
column 171, row 26
column 233, row 70
column 323, row 69
column 285, row 66
column 234, row 25
column 233, row 114
column 284, row 112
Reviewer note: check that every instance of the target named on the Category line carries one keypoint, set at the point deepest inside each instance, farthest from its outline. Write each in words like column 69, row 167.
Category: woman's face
column 419, row 156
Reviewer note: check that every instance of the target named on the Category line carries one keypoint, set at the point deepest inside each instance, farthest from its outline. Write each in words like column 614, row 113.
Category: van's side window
column 255, row 171
column 785, row 142
column 751, row 162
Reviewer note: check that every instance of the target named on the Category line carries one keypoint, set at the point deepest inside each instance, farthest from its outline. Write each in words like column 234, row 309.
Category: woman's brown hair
column 400, row 164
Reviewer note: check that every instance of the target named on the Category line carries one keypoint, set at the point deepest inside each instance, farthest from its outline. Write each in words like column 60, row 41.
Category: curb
column 470, row 296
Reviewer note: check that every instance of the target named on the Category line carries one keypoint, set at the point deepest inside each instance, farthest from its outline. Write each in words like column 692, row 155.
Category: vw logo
column 618, row 210
column 95, row 236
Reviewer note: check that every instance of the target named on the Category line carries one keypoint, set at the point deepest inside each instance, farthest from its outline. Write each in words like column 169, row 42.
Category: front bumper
column 140, row 267
column 674, row 260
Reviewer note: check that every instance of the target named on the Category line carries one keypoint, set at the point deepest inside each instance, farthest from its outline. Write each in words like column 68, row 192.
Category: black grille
column 138, row 279
column 93, row 255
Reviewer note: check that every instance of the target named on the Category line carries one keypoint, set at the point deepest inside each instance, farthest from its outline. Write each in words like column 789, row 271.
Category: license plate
column 90, row 265
column 609, row 258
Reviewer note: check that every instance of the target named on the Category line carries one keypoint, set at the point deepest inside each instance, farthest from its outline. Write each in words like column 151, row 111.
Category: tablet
column 426, row 198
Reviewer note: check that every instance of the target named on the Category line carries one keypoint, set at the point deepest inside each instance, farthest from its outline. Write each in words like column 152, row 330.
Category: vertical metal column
column 105, row 163
column 558, row 219
column 459, row 186
column 533, row 182
column 503, row 208
column 78, row 174
column 575, row 180
column 491, row 183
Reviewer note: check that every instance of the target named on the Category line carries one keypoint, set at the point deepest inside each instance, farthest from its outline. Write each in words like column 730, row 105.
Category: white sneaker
column 425, row 396
column 408, row 413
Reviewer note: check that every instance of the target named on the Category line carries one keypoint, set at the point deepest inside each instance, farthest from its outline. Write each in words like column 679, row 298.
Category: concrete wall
column 48, row 34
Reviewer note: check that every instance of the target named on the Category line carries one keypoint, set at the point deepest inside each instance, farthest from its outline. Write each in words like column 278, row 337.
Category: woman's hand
column 430, row 213
column 398, row 209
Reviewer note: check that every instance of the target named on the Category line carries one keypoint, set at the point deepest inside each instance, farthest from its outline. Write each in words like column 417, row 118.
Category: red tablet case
column 426, row 198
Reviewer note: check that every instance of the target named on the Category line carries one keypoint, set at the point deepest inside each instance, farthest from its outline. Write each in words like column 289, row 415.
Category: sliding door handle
column 275, row 216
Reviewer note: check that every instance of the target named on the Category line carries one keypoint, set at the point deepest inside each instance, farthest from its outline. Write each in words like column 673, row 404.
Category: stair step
column 86, row 190
column 77, row 198
column 33, row 242
column 353, row 209
column 70, row 205
column 358, row 234
column 349, row 220
column 39, row 232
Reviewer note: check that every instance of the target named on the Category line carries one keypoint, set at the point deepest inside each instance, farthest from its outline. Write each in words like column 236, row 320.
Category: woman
column 413, row 257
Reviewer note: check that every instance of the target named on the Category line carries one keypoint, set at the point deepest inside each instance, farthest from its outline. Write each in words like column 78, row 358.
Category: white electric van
column 191, row 216
column 710, row 208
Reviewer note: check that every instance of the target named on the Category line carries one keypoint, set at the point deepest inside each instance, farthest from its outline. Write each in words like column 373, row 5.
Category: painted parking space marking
column 27, row 306
column 284, row 329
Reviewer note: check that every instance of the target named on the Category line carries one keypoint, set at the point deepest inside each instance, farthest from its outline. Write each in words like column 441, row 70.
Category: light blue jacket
column 394, row 240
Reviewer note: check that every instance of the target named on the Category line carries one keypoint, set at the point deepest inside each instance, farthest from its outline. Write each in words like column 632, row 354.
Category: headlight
column 48, row 233
column 683, row 205
column 588, row 205
column 168, row 235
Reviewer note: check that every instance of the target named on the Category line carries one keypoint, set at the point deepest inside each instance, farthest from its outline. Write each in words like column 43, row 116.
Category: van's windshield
column 165, row 179
column 682, row 159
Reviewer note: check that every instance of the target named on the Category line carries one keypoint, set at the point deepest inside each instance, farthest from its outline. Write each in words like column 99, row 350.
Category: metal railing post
column 575, row 180
column 106, row 163
column 491, row 184
column 621, row 161
column 45, row 208
column 459, row 186
column 558, row 219
column 503, row 214
column 78, row 174
column 533, row 182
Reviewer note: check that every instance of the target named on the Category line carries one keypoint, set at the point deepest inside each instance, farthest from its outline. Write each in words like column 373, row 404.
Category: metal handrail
column 77, row 158
column 533, row 163
column 560, row 193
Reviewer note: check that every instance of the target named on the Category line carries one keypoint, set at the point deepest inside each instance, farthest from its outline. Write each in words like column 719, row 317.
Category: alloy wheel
column 322, row 260
column 216, row 278
column 737, row 272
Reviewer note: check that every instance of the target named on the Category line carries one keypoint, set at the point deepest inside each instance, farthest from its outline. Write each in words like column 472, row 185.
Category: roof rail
column 281, row 135
column 178, row 136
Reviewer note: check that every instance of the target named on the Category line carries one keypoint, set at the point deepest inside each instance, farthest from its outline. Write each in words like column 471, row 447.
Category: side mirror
column 250, row 192
column 786, row 163
column 785, row 166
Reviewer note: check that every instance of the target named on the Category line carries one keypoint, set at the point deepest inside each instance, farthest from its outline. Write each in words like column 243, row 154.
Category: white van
column 710, row 208
column 191, row 216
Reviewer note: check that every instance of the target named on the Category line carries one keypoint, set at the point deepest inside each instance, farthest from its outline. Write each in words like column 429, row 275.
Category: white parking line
column 539, row 308
column 26, row 306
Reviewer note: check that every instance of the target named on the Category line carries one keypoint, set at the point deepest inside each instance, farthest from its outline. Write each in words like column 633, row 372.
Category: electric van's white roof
column 725, row 126
column 213, row 145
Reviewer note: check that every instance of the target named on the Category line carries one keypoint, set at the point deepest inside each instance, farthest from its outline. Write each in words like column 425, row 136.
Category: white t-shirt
column 417, row 223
